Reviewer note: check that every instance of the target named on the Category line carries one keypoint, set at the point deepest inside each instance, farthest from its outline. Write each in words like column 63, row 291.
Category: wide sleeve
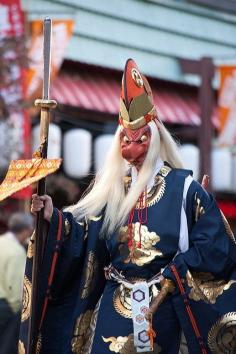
column 68, row 238
column 69, row 249
column 212, row 246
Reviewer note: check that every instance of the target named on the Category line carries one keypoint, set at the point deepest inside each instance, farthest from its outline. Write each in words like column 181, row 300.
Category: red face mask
column 134, row 145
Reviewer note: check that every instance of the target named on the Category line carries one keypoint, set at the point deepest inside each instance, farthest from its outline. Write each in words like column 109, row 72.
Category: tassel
column 151, row 333
column 130, row 244
column 130, row 229
column 142, row 218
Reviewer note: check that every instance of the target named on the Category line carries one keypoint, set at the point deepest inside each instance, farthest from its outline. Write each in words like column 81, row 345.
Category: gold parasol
column 22, row 173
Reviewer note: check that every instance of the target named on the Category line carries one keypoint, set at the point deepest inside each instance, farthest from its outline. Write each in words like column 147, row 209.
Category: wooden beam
column 75, row 114
column 190, row 66
column 80, row 117
column 186, row 133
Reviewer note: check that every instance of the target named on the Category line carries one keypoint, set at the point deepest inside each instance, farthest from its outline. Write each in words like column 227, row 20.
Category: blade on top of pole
column 47, row 56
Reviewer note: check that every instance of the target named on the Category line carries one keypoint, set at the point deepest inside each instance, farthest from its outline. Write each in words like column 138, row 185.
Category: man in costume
column 144, row 256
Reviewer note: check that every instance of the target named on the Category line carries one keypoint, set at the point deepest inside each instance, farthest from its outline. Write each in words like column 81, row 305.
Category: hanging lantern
column 35, row 138
column 54, row 140
column 190, row 157
column 221, row 169
column 77, row 152
column 101, row 146
column 234, row 170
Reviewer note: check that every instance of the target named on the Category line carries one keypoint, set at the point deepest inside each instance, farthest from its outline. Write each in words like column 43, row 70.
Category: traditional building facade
column 159, row 35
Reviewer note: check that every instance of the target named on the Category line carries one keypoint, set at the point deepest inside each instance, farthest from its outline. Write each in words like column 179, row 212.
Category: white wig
column 107, row 193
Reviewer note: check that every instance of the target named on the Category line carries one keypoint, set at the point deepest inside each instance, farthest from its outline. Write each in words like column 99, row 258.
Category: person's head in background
column 4, row 113
column 21, row 225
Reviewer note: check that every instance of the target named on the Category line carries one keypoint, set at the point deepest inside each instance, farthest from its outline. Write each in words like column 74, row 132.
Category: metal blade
column 47, row 30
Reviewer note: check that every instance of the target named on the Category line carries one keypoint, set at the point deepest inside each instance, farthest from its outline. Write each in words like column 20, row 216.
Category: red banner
column 227, row 106
column 228, row 208
column 61, row 33
column 12, row 84
column 12, row 20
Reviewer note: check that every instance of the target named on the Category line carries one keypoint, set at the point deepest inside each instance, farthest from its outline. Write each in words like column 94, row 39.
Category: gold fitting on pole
column 45, row 103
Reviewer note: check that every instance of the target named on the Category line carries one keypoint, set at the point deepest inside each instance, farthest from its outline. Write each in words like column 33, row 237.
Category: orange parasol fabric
column 22, row 173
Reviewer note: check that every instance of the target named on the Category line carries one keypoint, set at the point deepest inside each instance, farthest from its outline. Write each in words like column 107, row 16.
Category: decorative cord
column 142, row 218
column 52, row 269
column 189, row 311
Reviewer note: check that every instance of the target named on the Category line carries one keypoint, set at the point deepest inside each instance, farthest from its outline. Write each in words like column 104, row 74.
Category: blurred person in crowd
column 63, row 190
column 4, row 114
column 145, row 255
column 12, row 266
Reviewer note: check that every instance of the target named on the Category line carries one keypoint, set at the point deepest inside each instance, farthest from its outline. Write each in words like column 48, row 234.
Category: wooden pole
column 205, row 69
column 206, row 110
column 41, row 227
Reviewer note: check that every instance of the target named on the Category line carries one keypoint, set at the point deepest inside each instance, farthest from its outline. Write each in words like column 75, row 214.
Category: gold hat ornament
column 136, row 102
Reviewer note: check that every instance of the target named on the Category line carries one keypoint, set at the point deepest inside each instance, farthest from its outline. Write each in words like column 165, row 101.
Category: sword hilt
column 45, row 106
column 42, row 103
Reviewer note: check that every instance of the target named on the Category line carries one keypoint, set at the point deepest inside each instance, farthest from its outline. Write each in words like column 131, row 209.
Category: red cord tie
column 151, row 333
column 130, row 229
column 189, row 311
column 142, row 214
column 142, row 218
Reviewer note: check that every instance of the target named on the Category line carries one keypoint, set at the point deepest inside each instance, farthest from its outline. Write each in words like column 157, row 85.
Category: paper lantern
column 221, row 169
column 77, row 152
column 35, row 138
column 101, row 146
column 190, row 157
column 54, row 140
column 234, row 171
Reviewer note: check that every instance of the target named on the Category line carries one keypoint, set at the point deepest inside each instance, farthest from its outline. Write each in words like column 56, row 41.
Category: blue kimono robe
column 87, row 314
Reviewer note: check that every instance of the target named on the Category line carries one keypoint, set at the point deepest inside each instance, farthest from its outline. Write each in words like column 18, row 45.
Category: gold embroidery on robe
column 67, row 226
column 91, row 330
column 127, row 183
column 86, row 229
column 81, row 332
column 147, row 252
column 21, row 347
column 164, row 171
column 158, row 189
column 222, row 335
column 205, row 287
column 30, row 251
column 199, row 208
column 89, row 275
column 39, row 344
column 228, row 228
column 122, row 298
column 156, row 192
column 84, row 224
column 27, row 291
column 125, row 345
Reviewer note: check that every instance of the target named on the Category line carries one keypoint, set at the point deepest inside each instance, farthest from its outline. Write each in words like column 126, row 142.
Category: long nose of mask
column 134, row 151
column 134, row 145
